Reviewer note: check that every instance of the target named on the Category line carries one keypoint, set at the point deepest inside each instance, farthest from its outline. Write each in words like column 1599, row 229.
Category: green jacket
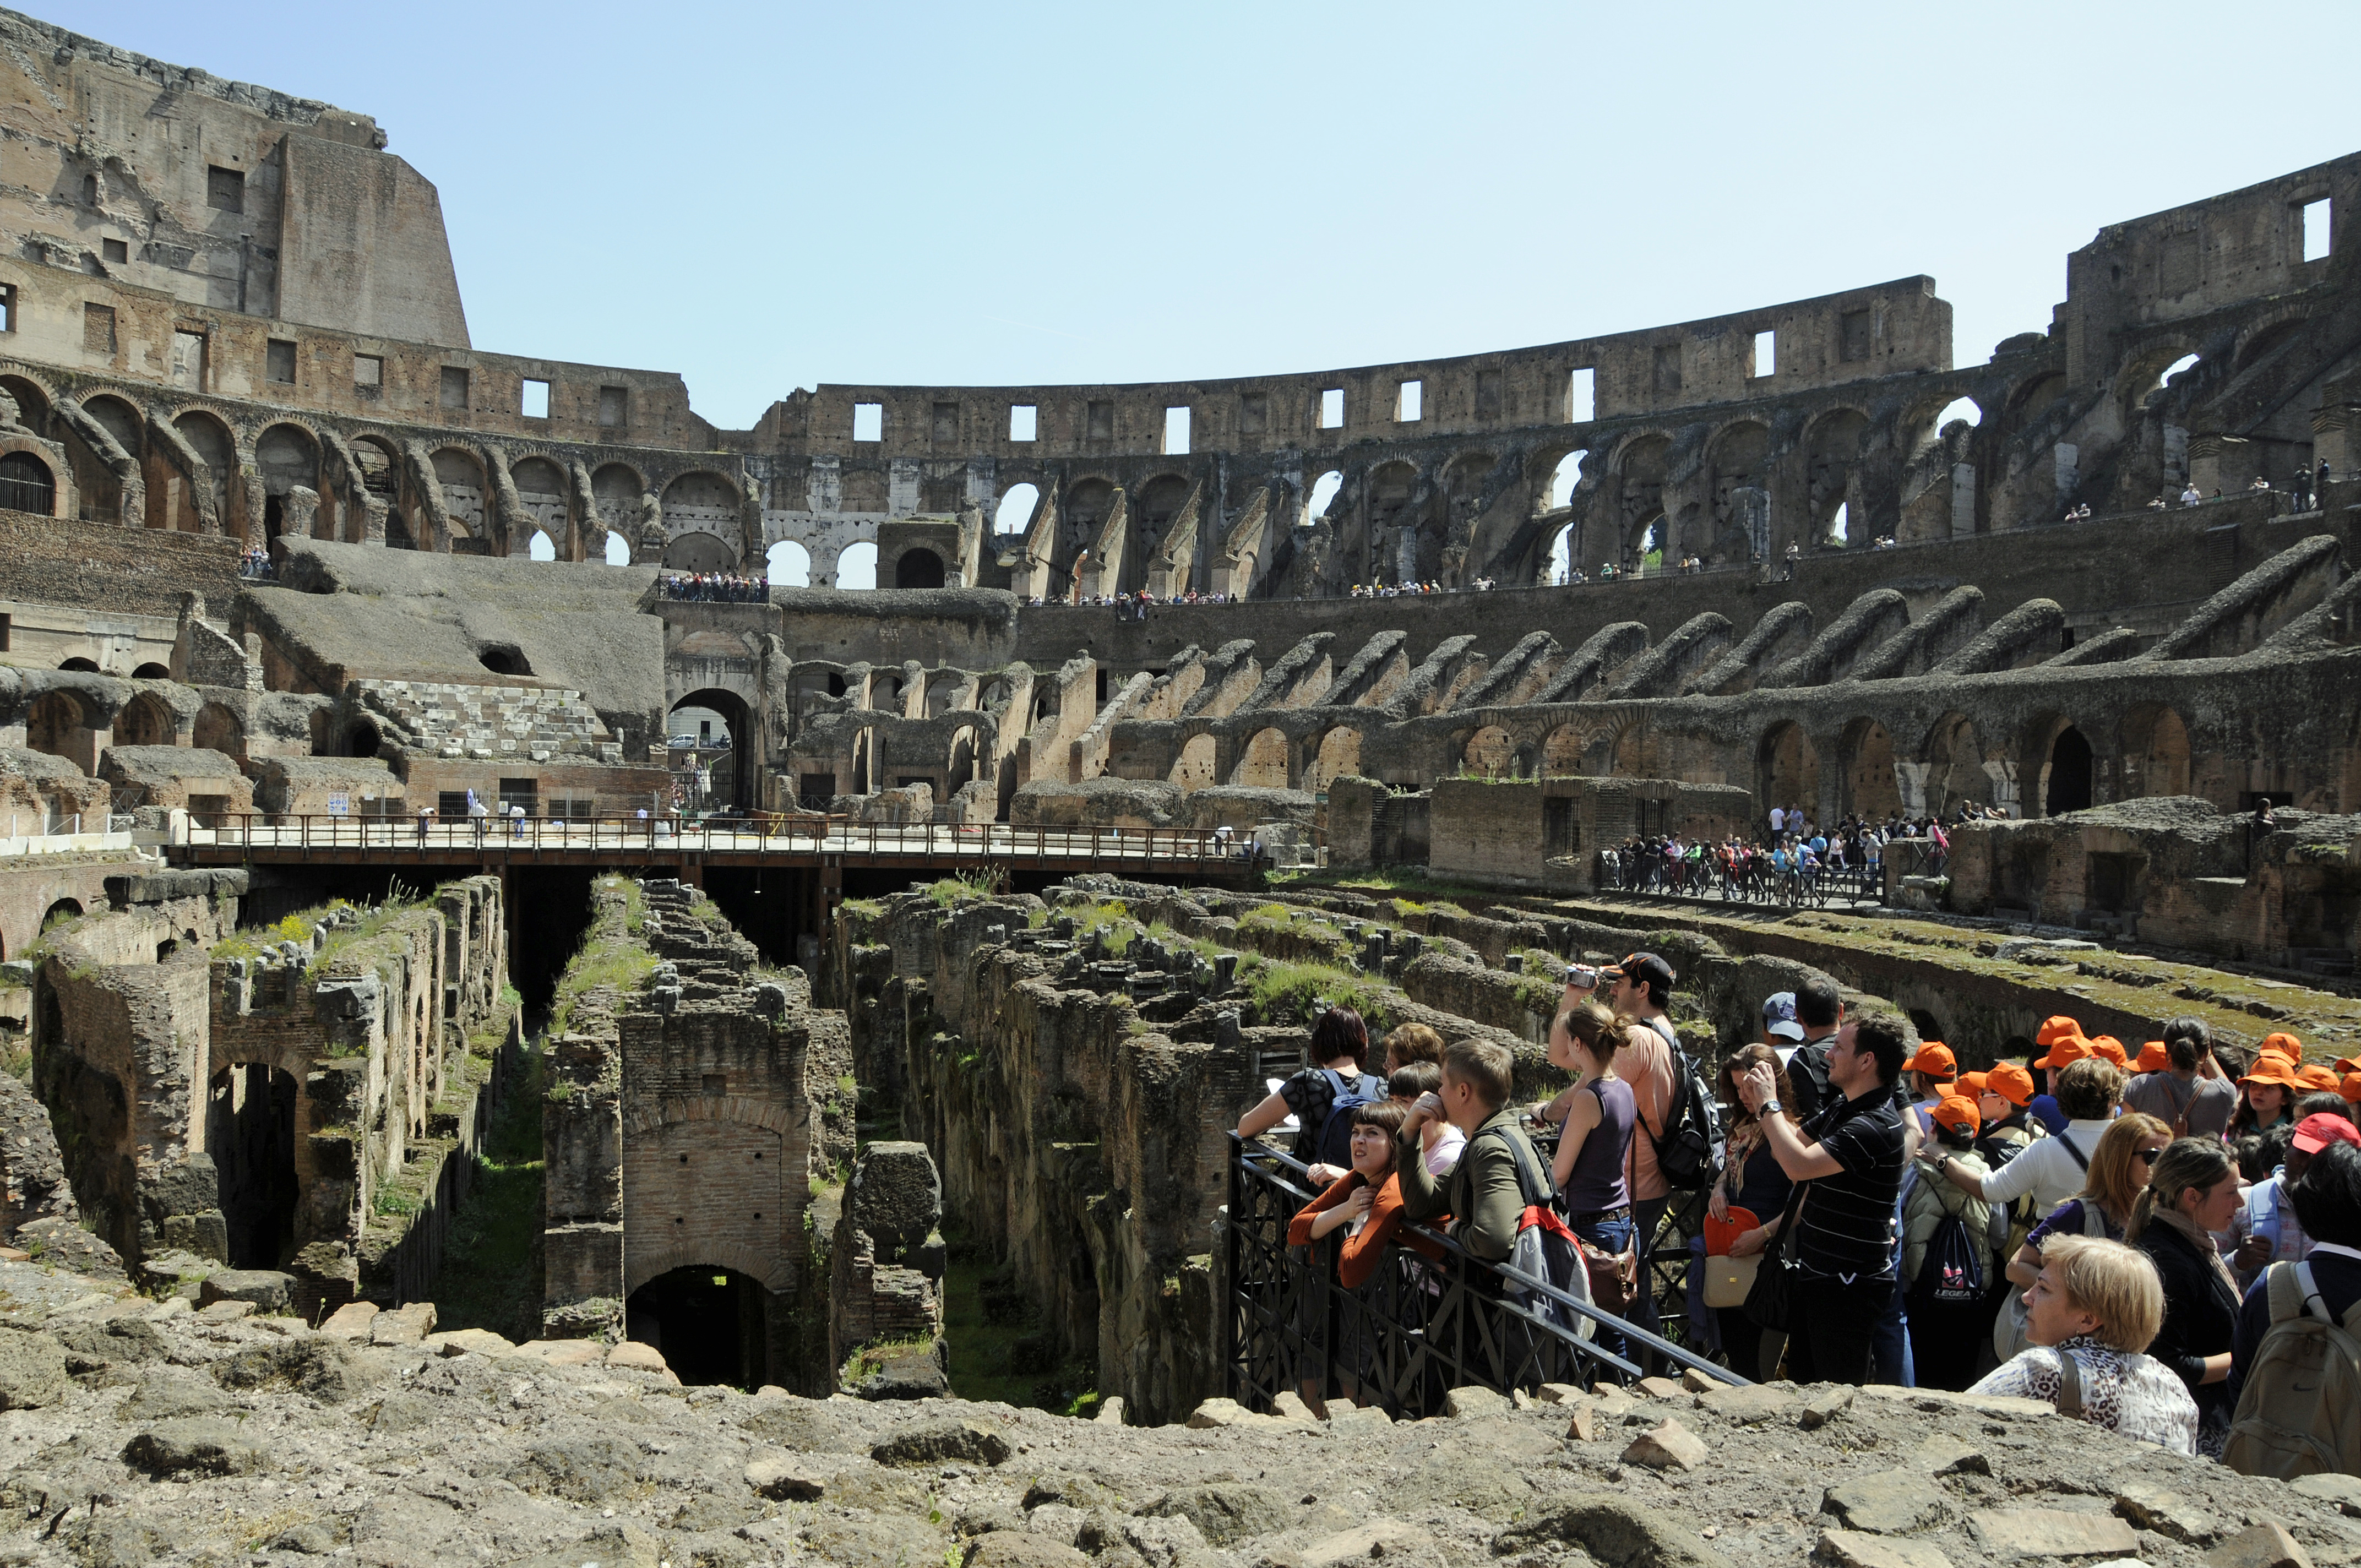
column 1480, row 1193
column 1931, row 1200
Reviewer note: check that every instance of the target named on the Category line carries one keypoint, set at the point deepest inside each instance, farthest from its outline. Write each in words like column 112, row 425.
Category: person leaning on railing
column 1481, row 1193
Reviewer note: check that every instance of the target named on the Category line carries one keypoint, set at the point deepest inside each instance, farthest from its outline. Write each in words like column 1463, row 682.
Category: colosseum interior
column 448, row 882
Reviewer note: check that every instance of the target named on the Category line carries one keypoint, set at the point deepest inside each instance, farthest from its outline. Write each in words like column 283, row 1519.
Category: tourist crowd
column 717, row 587
column 1794, row 845
column 2158, row 1242
column 254, row 565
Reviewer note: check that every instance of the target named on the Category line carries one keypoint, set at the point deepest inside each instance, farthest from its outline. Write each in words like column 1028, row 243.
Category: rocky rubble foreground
column 133, row 1432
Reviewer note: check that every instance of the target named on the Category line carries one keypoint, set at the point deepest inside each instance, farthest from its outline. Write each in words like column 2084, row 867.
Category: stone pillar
column 1963, row 501
column 2336, row 437
column 2220, row 465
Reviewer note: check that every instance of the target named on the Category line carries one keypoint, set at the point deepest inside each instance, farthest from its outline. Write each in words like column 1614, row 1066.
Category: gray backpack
column 2299, row 1413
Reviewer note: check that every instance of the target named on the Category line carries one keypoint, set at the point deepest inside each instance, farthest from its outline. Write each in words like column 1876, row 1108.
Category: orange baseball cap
column 2315, row 1077
column 2348, row 1064
column 2286, row 1046
column 1935, row 1059
column 1957, row 1111
column 2154, row 1056
column 2073, row 1049
column 2273, row 1068
column 2011, row 1082
column 1974, row 1084
column 2351, row 1089
column 2112, row 1048
column 2055, row 1029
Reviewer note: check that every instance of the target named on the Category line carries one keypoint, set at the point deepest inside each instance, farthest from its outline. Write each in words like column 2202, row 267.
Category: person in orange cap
column 2267, row 1096
column 1932, row 1072
column 1945, row 1289
column 2316, row 1079
column 2056, row 1028
column 2350, row 1087
column 2154, row 1056
column 2284, row 1044
column 2112, row 1048
column 2190, row 1094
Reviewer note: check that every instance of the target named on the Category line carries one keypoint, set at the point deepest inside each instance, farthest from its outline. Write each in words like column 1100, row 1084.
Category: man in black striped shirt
column 1847, row 1162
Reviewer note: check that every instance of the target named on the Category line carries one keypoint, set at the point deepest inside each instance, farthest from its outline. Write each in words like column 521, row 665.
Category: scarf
column 2201, row 1241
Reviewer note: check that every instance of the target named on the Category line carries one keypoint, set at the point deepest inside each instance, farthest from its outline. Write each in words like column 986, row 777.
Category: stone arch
column 1086, row 506
column 1153, row 507
column 919, row 567
column 1561, row 752
column 1012, row 515
column 1638, row 473
column 1740, row 460
column 119, row 420
column 218, row 730
column 56, row 722
column 1339, row 754
column 615, row 492
column 1264, row 760
column 152, row 671
column 698, row 552
column 541, row 490
column 2156, row 758
column 144, row 721
column 1955, row 765
column 1872, row 788
column 2063, row 766
column 1194, row 766
column 705, row 502
column 460, row 475
column 27, row 484
column 211, row 440
column 738, row 785
column 1488, row 752
column 1787, row 767
column 34, row 403
column 1832, row 446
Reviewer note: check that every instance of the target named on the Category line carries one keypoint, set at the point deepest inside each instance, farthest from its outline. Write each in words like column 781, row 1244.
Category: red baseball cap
column 2322, row 1128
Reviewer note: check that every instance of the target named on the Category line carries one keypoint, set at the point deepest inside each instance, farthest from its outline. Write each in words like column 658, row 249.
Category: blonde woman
column 2089, row 1312
column 2118, row 1175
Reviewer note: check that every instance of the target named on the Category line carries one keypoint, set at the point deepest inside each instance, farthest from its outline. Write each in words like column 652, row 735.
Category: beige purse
column 1728, row 1279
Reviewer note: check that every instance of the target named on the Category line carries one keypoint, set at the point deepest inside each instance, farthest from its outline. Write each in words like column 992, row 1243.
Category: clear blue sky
column 763, row 197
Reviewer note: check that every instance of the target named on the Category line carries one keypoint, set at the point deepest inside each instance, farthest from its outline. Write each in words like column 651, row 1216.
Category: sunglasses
column 2148, row 1156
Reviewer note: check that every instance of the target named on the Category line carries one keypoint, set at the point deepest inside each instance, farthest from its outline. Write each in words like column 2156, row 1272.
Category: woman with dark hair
column 2191, row 1194
column 1750, row 1179
column 1340, row 1044
column 1595, row 1140
column 1366, row 1204
column 2327, row 1199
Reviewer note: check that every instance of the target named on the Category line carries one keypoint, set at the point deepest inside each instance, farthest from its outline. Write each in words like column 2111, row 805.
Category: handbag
column 1728, row 1281
column 1614, row 1275
column 1766, row 1300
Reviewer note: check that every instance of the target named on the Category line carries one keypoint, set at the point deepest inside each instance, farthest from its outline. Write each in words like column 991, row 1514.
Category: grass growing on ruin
column 952, row 891
column 1285, row 992
column 490, row 1271
column 608, row 956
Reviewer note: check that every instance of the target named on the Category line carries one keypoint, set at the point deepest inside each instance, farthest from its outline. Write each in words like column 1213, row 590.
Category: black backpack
column 1951, row 1272
column 1333, row 1144
column 1689, row 1153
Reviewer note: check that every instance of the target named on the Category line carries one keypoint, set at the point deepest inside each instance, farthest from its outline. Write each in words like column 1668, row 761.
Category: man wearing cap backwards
column 1780, row 1030
column 1638, row 987
column 2187, row 1090
column 2265, row 1230
column 1852, row 1155
column 1820, row 1012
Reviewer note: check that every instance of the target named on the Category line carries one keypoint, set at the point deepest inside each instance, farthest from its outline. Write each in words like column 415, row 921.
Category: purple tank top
column 1596, row 1182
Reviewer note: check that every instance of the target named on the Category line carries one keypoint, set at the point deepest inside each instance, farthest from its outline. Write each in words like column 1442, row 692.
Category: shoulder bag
column 1766, row 1302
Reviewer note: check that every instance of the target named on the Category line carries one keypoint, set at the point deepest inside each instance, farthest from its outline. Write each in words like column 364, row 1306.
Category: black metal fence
column 1415, row 1329
column 1753, row 881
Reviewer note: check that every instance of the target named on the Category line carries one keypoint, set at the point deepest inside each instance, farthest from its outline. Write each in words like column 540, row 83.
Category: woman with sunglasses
column 2118, row 1174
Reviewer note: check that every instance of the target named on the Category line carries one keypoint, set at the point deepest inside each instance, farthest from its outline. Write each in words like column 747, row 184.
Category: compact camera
column 1582, row 977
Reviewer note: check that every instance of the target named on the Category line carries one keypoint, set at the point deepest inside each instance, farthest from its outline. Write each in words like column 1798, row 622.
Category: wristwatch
column 1768, row 1108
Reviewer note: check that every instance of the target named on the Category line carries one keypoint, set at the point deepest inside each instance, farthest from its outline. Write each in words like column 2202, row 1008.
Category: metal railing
column 759, row 834
column 1413, row 1330
column 1754, row 881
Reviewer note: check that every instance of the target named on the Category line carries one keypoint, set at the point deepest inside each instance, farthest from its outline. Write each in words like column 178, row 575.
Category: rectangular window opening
column 1024, row 419
column 98, row 330
column 455, row 387
column 614, row 407
column 1102, row 422
column 1581, row 396
column 869, row 422
column 113, row 250
column 1254, row 414
column 1766, row 355
column 1854, row 331
column 187, row 366
column 1331, row 409
column 1667, row 365
column 2315, row 229
column 1409, row 402
column 7, row 307
column 368, row 371
column 1176, row 431
column 946, row 424
column 225, row 189
column 278, row 362
column 535, row 399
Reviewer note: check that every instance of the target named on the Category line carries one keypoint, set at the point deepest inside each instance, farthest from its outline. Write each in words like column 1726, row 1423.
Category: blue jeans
column 1608, row 1235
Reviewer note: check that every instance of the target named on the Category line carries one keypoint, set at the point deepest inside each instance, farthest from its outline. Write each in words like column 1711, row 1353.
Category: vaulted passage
column 250, row 1128
column 2070, row 773
column 707, row 1323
